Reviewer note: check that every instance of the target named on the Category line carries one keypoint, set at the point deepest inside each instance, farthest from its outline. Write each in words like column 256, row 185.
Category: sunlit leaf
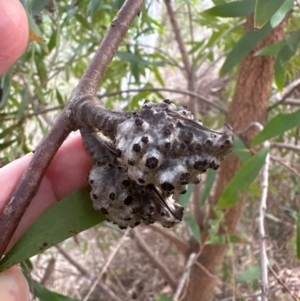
column 264, row 10
column 277, row 126
column 242, row 179
column 281, row 13
column 232, row 9
column 66, row 218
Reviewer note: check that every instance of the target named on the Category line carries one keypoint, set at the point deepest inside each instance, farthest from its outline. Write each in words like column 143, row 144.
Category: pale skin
column 67, row 172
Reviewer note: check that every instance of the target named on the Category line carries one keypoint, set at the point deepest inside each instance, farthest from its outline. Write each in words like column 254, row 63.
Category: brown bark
column 249, row 104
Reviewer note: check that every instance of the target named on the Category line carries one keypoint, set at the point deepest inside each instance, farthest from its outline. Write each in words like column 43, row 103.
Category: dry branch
column 28, row 186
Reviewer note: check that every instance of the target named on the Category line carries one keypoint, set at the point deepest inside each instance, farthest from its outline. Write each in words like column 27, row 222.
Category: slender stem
column 264, row 262
column 28, row 186
column 200, row 97
column 286, row 93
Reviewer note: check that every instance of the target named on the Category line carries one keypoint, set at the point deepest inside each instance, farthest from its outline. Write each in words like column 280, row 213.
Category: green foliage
column 278, row 126
column 242, row 179
column 66, row 218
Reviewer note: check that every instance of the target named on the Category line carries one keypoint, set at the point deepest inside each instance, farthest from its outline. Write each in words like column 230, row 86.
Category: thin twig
column 264, row 261
column 165, row 272
column 28, row 186
column 108, row 262
column 285, row 287
column 285, row 94
column 200, row 97
column 292, row 147
column 178, row 37
column 178, row 242
column 87, row 274
column 185, row 276
column 291, row 169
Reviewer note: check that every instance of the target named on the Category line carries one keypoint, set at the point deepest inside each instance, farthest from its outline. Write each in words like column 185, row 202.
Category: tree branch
column 201, row 98
column 264, row 262
column 285, row 94
column 28, row 186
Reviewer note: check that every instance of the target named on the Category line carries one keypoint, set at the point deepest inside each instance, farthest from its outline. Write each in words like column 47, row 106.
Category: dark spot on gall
column 145, row 139
column 167, row 132
column 130, row 162
column 104, row 210
column 136, row 224
column 167, row 186
column 168, row 101
column 227, row 142
column 118, row 152
column 91, row 182
column 151, row 162
column 112, row 196
column 126, row 183
column 95, row 196
column 136, row 147
column 184, row 178
column 122, row 227
column 208, row 142
column 140, row 180
column 167, row 144
column 128, row 200
column 183, row 192
column 127, row 219
column 111, row 165
column 139, row 121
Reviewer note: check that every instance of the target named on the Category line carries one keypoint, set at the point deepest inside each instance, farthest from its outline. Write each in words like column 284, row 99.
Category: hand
column 13, row 32
column 67, row 172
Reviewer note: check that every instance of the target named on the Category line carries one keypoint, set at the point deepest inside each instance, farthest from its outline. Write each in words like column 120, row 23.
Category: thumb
column 13, row 285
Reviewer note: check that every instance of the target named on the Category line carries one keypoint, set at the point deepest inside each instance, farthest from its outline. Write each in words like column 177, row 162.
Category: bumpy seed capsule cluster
column 166, row 147
column 126, row 203
column 122, row 200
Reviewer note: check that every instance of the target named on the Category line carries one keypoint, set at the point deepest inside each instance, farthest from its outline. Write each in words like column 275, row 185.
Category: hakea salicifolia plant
column 144, row 159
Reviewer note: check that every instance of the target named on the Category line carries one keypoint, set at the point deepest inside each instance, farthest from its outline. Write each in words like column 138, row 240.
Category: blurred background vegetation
column 195, row 63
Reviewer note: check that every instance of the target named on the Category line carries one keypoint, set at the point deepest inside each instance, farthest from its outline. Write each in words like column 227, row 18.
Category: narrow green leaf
column 5, row 85
column 243, row 47
column 24, row 100
column 37, row 5
column 240, row 150
column 209, row 181
column 232, row 9
column 277, row 126
column 184, row 198
column 190, row 220
column 4, row 145
column 281, row 13
column 138, row 59
column 279, row 75
column 66, row 218
column 264, row 10
column 272, row 49
column 242, row 179
column 298, row 235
